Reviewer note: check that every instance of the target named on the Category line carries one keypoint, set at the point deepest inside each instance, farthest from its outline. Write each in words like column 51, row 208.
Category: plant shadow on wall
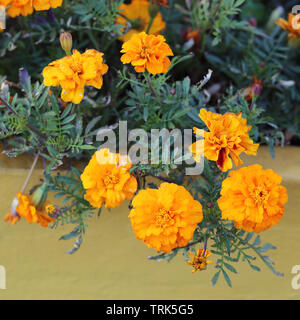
column 226, row 69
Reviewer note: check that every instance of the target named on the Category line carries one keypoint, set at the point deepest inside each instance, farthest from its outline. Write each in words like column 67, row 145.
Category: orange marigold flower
column 30, row 212
column 12, row 216
column 253, row 198
column 165, row 218
column 107, row 179
column 292, row 25
column 136, row 15
column 25, row 7
column 147, row 52
column 199, row 261
column 74, row 72
column 46, row 4
column 228, row 136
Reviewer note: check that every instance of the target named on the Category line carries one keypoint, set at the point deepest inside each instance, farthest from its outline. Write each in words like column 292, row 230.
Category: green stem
column 30, row 172
column 149, row 24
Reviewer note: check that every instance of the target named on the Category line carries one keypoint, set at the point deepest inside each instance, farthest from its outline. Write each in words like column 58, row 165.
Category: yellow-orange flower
column 165, row 218
column 27, row 210
column 253, row 198
column 228, row 136
column 12, row 216
column 25, row 7
column 137, row 12
column 292, row 25
column 74, row 72
column 46, row 4
column 199, row 261
column 107, row 179
column 147, row 52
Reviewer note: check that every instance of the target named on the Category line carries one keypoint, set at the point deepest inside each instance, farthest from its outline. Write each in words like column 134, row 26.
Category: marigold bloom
column 25, row 7
column 138, row 14
column 12, row 216
column 165, row 218
column 292, row 25
column 107, row 179
column 228, row 136
column 253, row 198
column 199, row 261
column 27, row 210
column 147, row 52
column 74, row 72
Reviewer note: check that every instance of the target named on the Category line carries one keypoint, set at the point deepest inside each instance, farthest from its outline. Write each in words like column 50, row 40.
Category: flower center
column 199, row 263
column 260, row 195
column 164, row 218
column 50, row 208
column 110, row 179
column 145, row 52
column 76, row 66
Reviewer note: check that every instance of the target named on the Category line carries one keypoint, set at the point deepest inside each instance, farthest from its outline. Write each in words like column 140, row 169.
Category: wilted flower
column 12, row 216
column 147, row 52
column 74, row 72
column 165, row 218
column 253, row 198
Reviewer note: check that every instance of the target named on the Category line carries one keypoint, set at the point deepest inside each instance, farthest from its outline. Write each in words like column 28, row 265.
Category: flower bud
column 39, row 196
column 66, row 42
column 253, row 22
column 173, row 91
column 153, row 9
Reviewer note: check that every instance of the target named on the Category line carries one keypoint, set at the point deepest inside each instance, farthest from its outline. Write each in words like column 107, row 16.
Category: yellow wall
column 112, row 264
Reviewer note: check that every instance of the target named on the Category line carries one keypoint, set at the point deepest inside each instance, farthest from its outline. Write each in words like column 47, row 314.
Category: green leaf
column 215, row 278
column 226, row 277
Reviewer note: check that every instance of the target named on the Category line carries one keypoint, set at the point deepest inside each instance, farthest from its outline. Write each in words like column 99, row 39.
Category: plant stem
column 30, row 171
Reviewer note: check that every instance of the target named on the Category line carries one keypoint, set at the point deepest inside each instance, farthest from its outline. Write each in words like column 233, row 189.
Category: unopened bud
column 39, row 196
column 209, row 205
column 253, row 22
column 173, row 91
column 153, row 9
column 66, row 42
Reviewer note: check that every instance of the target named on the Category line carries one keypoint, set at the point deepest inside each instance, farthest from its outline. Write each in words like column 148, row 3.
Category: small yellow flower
column 199, row 261
column 75, row 72
column 292, row 25
column 147, row 52
column 138, row 14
